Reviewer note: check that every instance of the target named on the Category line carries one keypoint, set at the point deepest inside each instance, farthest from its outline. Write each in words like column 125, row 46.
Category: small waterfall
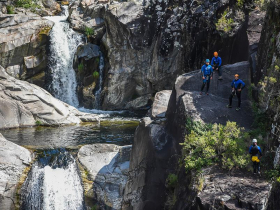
column 53, row 184
column 64, row 42
column 98, row 91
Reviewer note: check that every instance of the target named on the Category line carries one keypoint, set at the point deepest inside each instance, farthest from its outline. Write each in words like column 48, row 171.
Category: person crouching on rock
column 237, row 85
column 256, row 153
column 207, row 74
column 216, row 64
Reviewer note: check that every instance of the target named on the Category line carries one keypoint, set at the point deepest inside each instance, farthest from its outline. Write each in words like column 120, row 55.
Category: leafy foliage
column 207, row 144
column 240, row 3
column 27, row 4
column 172, row 180
column 10, row 9
column 95, row 74
column 224, row 23
column 80, row 67
column 89, row 31
column 38, row 122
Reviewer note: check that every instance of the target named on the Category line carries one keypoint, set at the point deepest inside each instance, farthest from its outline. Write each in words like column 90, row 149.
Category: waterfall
column 98, row 91
column 53, row 184
column 63, row 44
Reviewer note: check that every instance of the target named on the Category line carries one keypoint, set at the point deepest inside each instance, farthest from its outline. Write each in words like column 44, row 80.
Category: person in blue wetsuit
column 216, row 64
column 256, row 153
column 237, row 86
column 207, row 74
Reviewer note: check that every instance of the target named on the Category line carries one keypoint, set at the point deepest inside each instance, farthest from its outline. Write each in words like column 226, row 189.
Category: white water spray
column 53, row 188
column 64, row 42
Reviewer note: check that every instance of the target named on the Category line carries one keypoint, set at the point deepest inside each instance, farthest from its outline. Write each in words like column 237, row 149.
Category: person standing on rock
column 216, row 64
column 237, row 86
column 207, row 74
column 256, row 153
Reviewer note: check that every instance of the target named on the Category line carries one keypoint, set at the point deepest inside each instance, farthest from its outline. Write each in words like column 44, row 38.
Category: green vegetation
column 240, row 3
column 224, row 23
column 81, row 67
column 10, row 9
column 89, row 31
column 27, row 4
column 97, row 60
column 95, row 207
column 172, row 181
column 38, row 122
column 95, row 75
column 208, row 144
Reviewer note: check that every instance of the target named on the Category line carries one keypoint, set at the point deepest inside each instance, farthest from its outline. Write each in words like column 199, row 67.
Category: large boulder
column 23, row 44
column 160, row 103
column 13, row 160
column 25, row 104
column 107, row 167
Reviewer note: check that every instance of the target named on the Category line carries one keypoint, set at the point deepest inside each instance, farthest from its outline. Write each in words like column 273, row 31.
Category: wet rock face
column 13, row 160
column 86, row 62
column 107, row 166
column 23, row 46
column 22, row 104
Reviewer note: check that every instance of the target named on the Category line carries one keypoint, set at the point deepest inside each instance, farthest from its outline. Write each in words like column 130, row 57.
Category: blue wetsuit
column 206, row 72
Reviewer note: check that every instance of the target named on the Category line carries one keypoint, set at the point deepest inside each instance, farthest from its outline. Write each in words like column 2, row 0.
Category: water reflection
column 110, row 131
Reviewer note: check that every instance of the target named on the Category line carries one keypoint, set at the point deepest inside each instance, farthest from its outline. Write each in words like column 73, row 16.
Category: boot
column 220, row 78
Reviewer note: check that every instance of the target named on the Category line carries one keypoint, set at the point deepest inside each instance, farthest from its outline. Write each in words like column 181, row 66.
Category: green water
column 111, row 131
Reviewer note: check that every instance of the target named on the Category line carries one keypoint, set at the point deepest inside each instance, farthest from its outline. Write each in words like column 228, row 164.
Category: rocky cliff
column 156, row 152
column 147, row 45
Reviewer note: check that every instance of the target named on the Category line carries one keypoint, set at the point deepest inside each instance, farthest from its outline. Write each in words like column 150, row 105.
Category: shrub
column 38, row 122
column 80, row 67
column 207, row 144
column 95, row 74
column 240, row 3
column 89, row 31
column 224, row 24
column 10, row 9
column 172, row 181
column 27, row 4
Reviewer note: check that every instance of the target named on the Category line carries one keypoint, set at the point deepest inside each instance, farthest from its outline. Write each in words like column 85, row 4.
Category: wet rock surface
column 107, row 166
column 22, row 104
column 13, row 160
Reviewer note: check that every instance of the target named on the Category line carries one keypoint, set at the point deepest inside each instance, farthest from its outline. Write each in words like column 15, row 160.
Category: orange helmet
column 215, row 54
column 236, row 75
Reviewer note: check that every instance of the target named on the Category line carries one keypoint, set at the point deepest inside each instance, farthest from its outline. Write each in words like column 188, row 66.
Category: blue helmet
column 207, row 61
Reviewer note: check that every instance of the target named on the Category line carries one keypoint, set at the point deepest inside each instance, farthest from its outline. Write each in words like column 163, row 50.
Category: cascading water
column 64, row 42
column 53, row 184
column 98, row 91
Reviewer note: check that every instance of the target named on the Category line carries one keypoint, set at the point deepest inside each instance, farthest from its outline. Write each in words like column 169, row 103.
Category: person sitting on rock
column 237, row 86
column 216, row 64
column 207, row 74
column 256, row 153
